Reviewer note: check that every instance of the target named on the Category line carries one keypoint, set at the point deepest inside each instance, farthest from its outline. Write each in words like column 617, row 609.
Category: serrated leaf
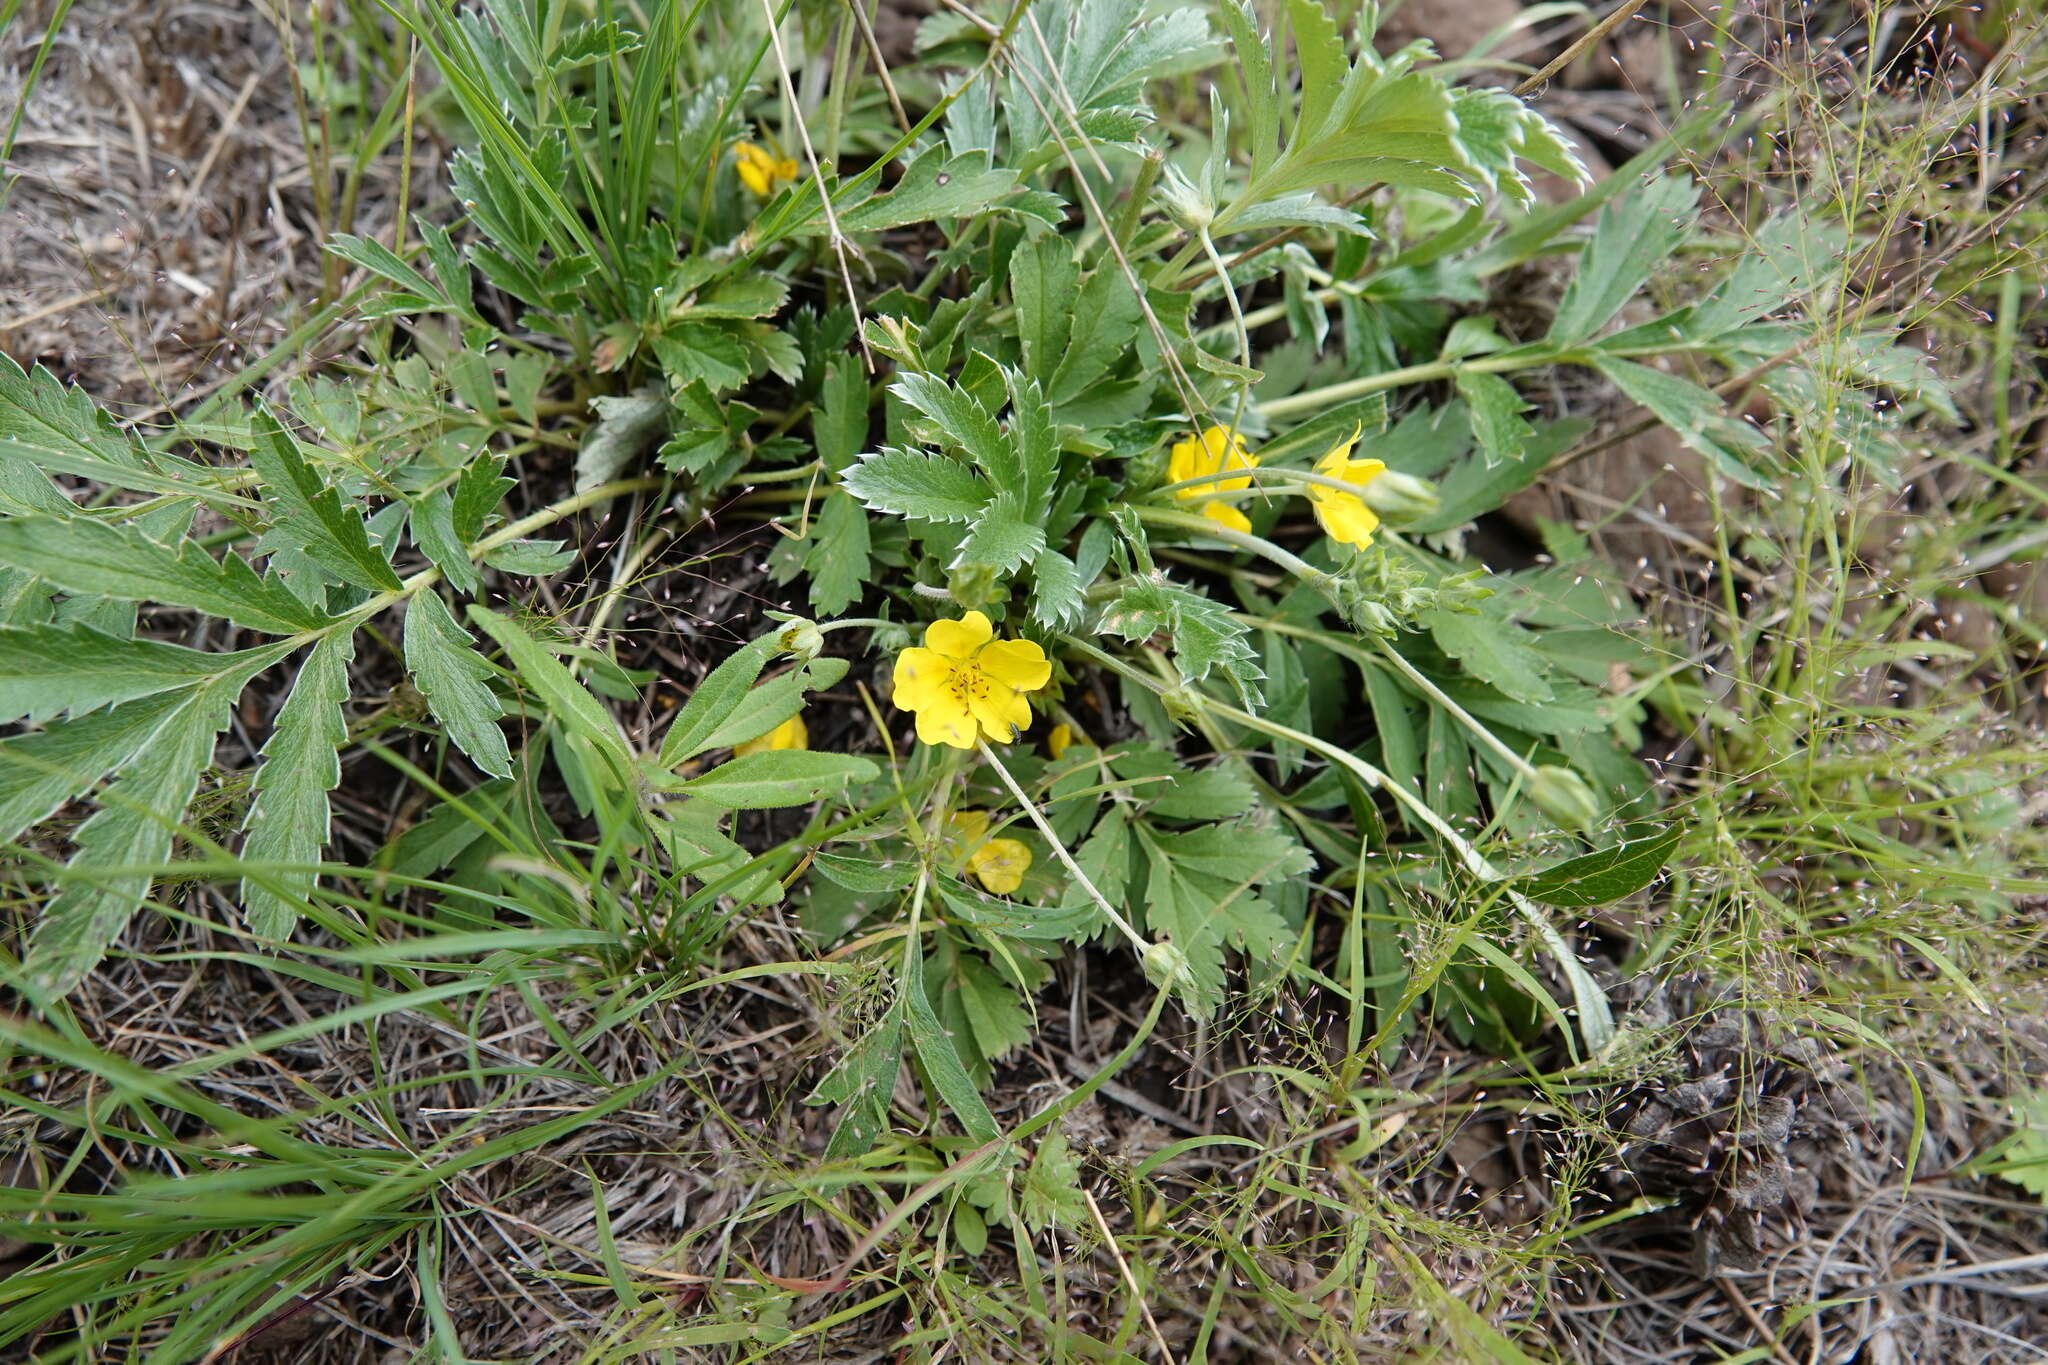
column 1606, row 875
column 121, row 845
column 1002, row 541
column 62, row 431
column 433, row 529
column 449, row 674
column 1635, row 235
column 288, row 821
column 311, row 514
column 477, row 494
column 50, row 670
column 1695, row 414
column 911, row 483
column 1496, row 412
column 41, row 771
column 1043, row 280
column 566, row 699
column 840, row 427
column 966, row 424
column 1038, row 445
column 82, row 555
column 1101, row 332
column 837, row 558
column 1057, row 599
column 1000, row 1022
column 531, row 558
column 778, row 778
column 1493, row 651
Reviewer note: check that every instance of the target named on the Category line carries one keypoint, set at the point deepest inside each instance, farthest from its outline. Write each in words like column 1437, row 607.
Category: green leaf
column 840, row 427
column 777, row 778
column 566, row 699
column 933, row 186
column 941, row 1058
column 1200, row 895
column 774, row 702
column 51, row 670
column 1635, row 235
column 1696, row 415
column 911, row 483
column 310, row 514
column 1042, row 286
column 1003, row 540
column 1103, row 329
column 863, row 1082
column 82, row 555
column 999, row 1021
column 477, row 494
column 965, row 423
column 41, row 771
column 837, row 558
column 121, row 845
column 1493, row 650
column 713, row 701
column 1606, row 875
column 62, row 431
column 626, row 428
column 450, row 674
column 1496, row 411
column 1038, row 445
column 1206, row 637
column 1057, row 592
column 433, row 529
column 288, row 821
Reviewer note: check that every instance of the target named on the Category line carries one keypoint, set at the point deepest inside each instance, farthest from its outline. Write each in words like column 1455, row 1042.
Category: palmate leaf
column 450, row 674
column 965, row 423
column 311, row 515
column 288, row 822
column 82, row 555
column 52, row 670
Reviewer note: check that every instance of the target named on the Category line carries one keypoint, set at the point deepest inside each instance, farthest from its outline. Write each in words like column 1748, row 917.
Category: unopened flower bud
column 1564, row 796
column 1166, row 966
column 803, row 639
column 1401, row 497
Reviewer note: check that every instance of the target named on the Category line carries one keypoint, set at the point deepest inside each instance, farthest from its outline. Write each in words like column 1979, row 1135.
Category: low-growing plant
column 1124, row 469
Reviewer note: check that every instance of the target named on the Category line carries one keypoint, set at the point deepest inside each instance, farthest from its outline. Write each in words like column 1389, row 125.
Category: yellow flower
column 1063, row 738
column 791, row 734
column 761, row 171
column 1344, row 515
column 962, row 681
column 998, row 864
column 1217, row 450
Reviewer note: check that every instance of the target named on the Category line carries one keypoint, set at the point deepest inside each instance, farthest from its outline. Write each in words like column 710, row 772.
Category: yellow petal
column 969, row 827
column 1347, row 519
column 785, row 169
column 1002, row 712
column 1223, row 514
column 1184, row 462
column 922, row 679
column 1000, row 864
column 1015, row 663
column 791, row 734
column 949, row 723
column 959, row 639
column 1060, row 740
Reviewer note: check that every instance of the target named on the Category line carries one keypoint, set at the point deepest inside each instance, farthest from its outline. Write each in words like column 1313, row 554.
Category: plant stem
column 1059, row 849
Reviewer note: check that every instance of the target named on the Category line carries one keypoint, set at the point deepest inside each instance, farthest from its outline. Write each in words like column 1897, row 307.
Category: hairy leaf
column 311, row 515
column 51, row 670
column 450, row 674
column 911, row 483
column 82, row 555
column 288, row 821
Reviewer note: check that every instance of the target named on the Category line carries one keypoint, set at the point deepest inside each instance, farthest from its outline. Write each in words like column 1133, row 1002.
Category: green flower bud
column 1185, row 202
column 1565, row 797
column 802, row 638
column 1401, row 497
column 1166, row 966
